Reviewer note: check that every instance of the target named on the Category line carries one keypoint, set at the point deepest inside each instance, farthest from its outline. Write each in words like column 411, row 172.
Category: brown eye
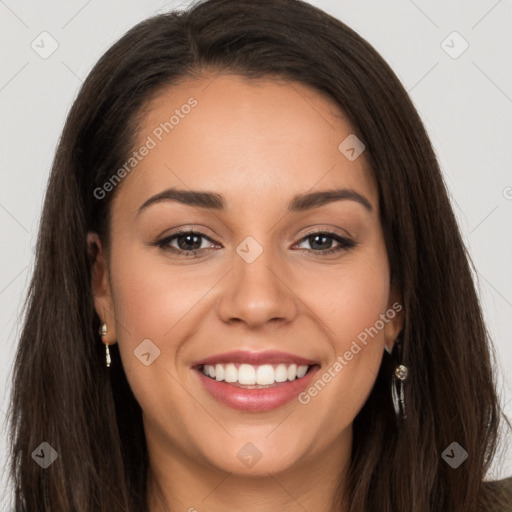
column 321, row 242
column 188, row 243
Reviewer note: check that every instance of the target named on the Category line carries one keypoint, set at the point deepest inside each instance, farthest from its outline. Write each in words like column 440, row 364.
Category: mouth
column 255, row 382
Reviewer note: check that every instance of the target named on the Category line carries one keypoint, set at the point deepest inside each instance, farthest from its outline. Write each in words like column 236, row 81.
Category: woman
column 189, row 346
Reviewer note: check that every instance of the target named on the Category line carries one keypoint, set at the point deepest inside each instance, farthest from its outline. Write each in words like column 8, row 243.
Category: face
column 254, row 285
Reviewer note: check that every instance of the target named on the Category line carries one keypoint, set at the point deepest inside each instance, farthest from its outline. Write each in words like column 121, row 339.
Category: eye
column 323, row 240
column 188, row 242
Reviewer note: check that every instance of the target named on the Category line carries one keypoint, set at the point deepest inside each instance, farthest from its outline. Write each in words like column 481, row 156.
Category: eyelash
column 345, row 243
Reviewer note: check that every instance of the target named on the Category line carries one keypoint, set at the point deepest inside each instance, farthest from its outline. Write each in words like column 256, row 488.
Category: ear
column 395, row 314
column 100, row 282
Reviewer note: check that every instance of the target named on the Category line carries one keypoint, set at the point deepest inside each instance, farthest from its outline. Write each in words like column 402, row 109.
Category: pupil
column 325, row 244
column 188, row 242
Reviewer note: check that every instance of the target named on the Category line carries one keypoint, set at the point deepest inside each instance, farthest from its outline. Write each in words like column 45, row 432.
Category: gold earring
column 103, row 332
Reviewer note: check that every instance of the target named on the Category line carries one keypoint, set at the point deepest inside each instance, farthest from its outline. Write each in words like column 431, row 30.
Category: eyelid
column 328, row 229
column 198, row 230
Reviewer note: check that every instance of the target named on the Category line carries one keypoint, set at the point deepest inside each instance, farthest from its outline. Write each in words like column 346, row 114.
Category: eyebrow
column 214, row 201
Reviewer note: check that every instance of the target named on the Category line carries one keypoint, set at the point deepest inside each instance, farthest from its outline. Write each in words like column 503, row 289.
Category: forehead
column 251, row 140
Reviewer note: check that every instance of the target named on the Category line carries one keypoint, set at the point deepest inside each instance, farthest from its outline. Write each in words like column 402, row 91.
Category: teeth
column 292, row 371
column 247, row 374
column 265, row 375
column 301, row 371
column 281, row 373
column 219, row 372
column 230, row 373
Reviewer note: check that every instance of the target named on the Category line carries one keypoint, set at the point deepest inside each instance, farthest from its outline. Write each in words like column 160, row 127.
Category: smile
column 255, row 382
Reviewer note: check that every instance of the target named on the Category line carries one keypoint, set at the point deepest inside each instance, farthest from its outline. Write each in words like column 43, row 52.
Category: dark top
column 505, row 486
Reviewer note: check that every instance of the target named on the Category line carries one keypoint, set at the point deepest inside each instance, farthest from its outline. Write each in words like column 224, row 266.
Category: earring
column 103, row 332
column 398, row 378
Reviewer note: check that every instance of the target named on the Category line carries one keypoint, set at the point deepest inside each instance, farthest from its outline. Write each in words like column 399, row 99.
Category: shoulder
column 502, row 488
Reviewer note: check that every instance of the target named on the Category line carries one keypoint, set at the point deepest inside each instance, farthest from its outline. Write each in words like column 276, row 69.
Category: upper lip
column 254, row 358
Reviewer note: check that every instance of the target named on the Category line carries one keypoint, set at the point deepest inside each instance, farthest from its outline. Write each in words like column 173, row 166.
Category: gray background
column 465, row 103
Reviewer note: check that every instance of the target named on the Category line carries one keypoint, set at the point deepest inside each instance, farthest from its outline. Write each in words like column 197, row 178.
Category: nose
column 257, row 292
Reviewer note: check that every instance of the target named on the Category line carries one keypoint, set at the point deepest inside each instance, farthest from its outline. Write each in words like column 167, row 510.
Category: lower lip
column 256, row 400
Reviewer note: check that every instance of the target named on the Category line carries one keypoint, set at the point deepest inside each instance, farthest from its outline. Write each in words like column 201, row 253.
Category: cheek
column 151, row 301
column 349, row 304
column 360, row 299
column 150, row 296
column 349, row 297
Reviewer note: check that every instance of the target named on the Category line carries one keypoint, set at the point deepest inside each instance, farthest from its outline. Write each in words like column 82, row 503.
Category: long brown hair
column 64, row 395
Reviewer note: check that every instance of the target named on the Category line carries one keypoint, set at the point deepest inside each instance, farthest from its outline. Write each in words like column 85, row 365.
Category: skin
column 258, row 144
